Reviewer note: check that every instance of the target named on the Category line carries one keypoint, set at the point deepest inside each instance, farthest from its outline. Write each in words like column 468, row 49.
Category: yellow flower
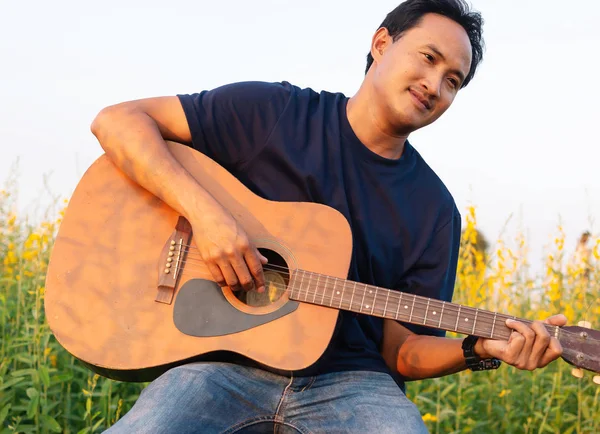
column 503, row 393
column 429, row 418
column 29, row 254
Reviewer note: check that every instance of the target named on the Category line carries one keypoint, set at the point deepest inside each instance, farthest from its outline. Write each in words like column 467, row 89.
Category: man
column 291, row 144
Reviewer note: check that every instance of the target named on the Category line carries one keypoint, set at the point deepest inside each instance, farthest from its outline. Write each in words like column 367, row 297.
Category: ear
column 381, row 41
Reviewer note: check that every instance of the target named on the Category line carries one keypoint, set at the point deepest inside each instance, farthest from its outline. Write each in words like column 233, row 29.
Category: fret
column 466, row 327
column 457, row 318
column 352, row 298
column 301, row 283
column 332, row 297
column 441, row 314
column 363, row 299
column 426, row 310
column 342, row 294
column 300, row 287
column 475, row 321
column 307, row 288
column 398, row 307
column 493, row 325
column 316, row 289
column 386, row 302
column 434, row 313
column 412, row 309
column 374, row 298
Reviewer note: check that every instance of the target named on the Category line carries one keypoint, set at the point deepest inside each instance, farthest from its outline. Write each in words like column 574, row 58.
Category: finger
column 255, row 262
column 243, row 274
column 263, row 259
column 553, row 352
column 518, row 344
column 541, row 343
column 557, row 320
column 229, row 274
column 216, row 274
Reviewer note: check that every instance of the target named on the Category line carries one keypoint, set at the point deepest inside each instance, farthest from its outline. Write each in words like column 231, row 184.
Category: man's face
column 417, row 77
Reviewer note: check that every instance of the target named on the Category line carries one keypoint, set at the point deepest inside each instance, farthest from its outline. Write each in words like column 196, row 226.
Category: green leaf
column 50, row 423
column 84, row 431
column 60, row 378
column 88, row 407
column 23, row 372
column 10, row 383
column 32, row 393
column 4, row 413
column 97, row 424
column 427, row 400
column 548, row 428
column 32, row 408
column 447, row 390
column 44, row 376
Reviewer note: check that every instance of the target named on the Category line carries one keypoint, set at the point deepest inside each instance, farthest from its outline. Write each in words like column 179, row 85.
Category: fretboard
column 357, row 297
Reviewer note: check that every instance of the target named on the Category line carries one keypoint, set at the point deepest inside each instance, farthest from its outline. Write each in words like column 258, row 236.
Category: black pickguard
column 202, row 310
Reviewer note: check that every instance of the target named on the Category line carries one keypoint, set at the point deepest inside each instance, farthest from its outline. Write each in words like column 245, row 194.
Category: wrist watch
column 474, row 362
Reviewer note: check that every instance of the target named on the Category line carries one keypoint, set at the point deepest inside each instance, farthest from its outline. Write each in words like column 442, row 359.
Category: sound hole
column 277, row 276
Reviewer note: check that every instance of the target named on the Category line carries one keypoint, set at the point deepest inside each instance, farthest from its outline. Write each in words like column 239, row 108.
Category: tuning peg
column 577, row 372
column 596, row 379
column 585, row 324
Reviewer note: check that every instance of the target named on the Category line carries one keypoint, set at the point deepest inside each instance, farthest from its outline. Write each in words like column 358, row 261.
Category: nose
column 432, row 85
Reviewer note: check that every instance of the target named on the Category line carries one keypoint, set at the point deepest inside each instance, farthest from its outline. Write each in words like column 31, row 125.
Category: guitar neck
column 323, row 290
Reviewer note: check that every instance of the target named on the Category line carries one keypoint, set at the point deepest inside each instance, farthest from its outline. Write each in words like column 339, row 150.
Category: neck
column 372, row 300
column 370, row 127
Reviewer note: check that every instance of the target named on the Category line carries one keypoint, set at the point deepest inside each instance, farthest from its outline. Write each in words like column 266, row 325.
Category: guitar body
column 103, row 278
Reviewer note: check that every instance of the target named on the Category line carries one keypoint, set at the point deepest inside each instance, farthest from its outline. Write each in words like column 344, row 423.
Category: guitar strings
column 447, row 306
column 482, row 315
column 593, row 342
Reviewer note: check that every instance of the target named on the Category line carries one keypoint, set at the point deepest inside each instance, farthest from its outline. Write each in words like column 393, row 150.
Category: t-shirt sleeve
column 434, row 274
column 231, row 123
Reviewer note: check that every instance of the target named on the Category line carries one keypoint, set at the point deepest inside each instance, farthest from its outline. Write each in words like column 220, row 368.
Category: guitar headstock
column 581, row 348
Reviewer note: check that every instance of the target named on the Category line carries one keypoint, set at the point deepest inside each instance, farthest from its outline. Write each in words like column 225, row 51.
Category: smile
column 419, row 101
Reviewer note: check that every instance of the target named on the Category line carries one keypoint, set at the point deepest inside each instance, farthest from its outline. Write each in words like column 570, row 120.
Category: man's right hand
column 230, row 256
column 133, row 136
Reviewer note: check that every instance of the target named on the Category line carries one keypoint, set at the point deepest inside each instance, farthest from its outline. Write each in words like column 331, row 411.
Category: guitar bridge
column 171, row 260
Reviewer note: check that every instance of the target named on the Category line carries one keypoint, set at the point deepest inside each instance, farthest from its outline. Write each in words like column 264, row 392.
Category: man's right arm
column 133, row 136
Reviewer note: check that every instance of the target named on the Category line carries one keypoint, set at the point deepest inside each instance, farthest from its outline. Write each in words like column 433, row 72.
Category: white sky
column 520, row 139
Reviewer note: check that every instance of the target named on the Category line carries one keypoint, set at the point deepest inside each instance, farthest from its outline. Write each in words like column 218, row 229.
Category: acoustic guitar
column 128, row 294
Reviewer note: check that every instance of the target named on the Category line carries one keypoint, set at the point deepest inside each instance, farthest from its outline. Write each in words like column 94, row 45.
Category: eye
column 453, row 82
column 429, row 57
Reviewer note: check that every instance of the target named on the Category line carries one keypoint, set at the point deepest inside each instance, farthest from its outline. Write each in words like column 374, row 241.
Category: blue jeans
column 227, row 398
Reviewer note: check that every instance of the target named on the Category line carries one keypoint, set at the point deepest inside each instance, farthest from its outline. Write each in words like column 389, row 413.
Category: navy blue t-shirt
column 290, row 144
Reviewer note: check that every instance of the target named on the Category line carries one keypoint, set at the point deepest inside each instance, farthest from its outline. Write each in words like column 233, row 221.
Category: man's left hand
column 529, row 346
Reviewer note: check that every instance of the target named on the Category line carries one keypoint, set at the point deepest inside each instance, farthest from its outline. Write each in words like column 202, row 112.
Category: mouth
column 420, row 101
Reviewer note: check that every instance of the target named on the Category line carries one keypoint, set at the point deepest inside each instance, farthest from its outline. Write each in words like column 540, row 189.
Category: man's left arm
column 418, row 355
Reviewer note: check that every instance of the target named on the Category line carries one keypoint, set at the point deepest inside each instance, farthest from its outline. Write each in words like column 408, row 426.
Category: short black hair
column 409, row 14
